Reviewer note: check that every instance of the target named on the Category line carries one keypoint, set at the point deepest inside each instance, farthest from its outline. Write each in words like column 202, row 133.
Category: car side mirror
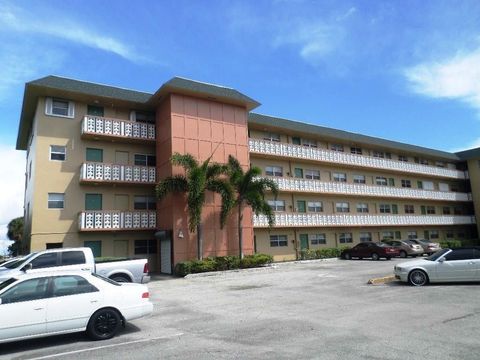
column 27, row 267
column 441, row 260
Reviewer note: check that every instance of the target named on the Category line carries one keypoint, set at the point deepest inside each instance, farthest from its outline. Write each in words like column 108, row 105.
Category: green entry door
column 303, row 241
column 301, row 206
column 93, row 201
column 96, row 247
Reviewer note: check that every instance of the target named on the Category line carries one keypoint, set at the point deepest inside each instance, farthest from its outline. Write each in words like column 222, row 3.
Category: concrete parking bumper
column 381, row 280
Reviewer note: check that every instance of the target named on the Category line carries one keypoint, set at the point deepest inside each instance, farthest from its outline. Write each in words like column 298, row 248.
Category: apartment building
column 95, row 152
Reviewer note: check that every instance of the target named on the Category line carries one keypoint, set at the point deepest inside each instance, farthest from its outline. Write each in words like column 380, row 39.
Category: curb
column 381, row 280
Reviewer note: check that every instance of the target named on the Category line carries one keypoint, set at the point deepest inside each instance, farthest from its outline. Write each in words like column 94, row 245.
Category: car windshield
column 17, row 262
column 382, row 244
column 437, row 255
column 110, row 281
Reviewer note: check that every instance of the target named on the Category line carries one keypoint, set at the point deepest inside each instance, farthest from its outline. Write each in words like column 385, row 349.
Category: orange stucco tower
column 203, row 120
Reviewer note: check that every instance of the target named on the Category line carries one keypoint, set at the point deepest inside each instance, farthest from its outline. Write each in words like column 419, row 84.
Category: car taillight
column 145, row 295
column 145, row 268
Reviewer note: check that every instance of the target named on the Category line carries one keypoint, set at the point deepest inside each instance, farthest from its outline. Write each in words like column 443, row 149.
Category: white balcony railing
column 336, row 157
column 117, row 220
column 322, row 187
column 96, row 125
column 100, row 172
column 344, row 220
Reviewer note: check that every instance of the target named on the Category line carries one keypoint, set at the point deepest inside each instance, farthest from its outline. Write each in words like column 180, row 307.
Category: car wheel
column 403, row 254
column 104, row 324
column 389, row 258
column 347, row 256
column 120, row 278
column 375, row 256
column 417, row 278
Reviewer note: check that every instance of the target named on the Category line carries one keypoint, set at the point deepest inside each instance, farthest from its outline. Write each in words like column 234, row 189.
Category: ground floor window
column 387, row 235
column 317, row 239
column 365, row 236
column 278, row 240
column 145, row 247
column 345, row 238
column 412, row 234
column 434, row 234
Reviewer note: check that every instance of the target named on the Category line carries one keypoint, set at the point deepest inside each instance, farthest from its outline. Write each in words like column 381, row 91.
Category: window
column 142, row 116
column 458, row 210
column 44, row 261
column 277, row 205
column 336, row 147
column 296, row 140
column 443, row 187
column 273, row 171
column 298, row 173
column 381, row 181
column 411, row 235
column 145, row 247
column 385, row 209
column 144, row 202
column 342, row 207
column 430, row 210
column 59, row 107
column 312, row 174
column 93, row 201
column 72, row 258
column 344, row 238
column 145, row 160
column 421, row 161
column 95, row 110
column 309, row 143
column 362, row 208
column 449, row 235
column 317, row 239
column 301, row 206
column 365, row 236
column 359, row 179
column 391, row 182
column 340, row 177
column 271, row 137
column 28, row 290
column 406, row 183
column 409, row 209
column 95, row 155
column 446, row 210
column 378, row 154
column 356, row 150
column 402, row 158
column 278, row 240
column 440, row 164
column 57, row 152
column 460, row 254
column 71, row 285
column 427, row 185
column 315, row 206
column 56, row 200
column 387, row 235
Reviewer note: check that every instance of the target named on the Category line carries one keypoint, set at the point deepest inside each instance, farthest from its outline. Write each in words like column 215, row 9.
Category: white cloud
column 456, row 78
column 14, row 19
column 12, row 175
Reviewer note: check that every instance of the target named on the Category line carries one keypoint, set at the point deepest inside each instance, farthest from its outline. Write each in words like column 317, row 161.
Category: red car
column 369, row 249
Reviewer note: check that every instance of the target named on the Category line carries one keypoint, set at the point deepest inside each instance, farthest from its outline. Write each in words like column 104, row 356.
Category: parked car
column 405, row 247
column 42, row 304
column 429, row 247
column 369, row 249
column 446, row 265
column 135, row 270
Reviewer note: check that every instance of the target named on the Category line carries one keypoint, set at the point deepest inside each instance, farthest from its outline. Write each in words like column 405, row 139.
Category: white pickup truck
column 135, row 270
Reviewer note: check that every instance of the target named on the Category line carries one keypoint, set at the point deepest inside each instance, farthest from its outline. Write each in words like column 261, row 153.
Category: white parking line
column 104, row 347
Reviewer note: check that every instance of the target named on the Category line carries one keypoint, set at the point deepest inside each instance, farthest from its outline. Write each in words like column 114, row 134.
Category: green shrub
column 323, row 253
column 450, row 244
column 183, row 268
column 205, row 265
column 227, row 262
column 256, row 260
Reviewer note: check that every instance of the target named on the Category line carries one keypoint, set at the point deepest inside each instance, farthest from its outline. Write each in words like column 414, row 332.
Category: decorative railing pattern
column 323, row 155
column 97, row 125
column 102, row 172
column 318, row 220
column 117, row 220
column 316, row 186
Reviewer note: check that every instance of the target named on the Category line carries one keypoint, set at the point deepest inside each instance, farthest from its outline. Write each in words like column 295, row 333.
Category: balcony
column 117, row 220
column 342, row 220
column 307, row 153
column 115, row 129
column 94, row 172
column 321, row 187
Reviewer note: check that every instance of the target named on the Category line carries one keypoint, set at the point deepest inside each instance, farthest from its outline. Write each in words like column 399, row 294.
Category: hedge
column 221, row 263
column 325, row 253
column 458, row 243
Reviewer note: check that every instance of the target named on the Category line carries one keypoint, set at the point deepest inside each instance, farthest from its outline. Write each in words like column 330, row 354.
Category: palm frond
column 226, row 192
column 187, row 161
column 171, row 184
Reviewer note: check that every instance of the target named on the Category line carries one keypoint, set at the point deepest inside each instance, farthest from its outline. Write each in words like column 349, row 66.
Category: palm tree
column 15, row 233
column 198, row 179
column 250, row 192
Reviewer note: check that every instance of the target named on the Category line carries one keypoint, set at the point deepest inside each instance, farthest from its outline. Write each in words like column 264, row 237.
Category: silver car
column 428, row 246
column 405, row 247
column 447, row 265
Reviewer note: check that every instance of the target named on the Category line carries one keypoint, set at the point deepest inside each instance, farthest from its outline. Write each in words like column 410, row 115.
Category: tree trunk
column 199, row 242
column 240, row 231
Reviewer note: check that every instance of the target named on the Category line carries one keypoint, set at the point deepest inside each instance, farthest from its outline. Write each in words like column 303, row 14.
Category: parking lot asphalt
column 302, row 310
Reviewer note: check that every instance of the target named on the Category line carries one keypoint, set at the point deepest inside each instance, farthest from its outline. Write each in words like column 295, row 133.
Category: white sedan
column 447, row 265
column 43, row 304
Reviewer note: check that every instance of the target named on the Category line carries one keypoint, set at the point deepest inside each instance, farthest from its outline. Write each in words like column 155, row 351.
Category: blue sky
column 403, row 70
